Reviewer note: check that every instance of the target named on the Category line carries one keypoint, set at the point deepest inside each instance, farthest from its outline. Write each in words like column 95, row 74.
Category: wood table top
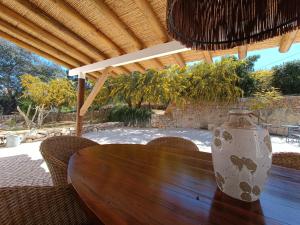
column 140, row 184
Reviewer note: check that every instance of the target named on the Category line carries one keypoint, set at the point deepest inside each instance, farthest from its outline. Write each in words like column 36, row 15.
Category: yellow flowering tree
column 44, row 97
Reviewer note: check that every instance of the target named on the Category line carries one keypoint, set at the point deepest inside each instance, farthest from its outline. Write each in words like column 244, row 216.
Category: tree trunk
column 57, row 118
column 29, row 123
column 129, row 103
column 42, row 115
column 139, row 104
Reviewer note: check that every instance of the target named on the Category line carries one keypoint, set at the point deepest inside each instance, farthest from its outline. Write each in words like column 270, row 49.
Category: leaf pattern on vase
column 246, row 197
column 237, row 162
column 217, row 133
column 247, row 189
column 217, row 142
column 267, row 141
column 220, row 180
column 227, row 136
column 256, row 190
column 240, row 162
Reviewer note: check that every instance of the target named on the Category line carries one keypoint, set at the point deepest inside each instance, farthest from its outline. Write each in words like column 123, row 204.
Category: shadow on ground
column 141, row 136
column 21, row 170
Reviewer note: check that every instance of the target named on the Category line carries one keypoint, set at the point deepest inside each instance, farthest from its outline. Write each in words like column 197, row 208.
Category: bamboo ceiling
column 74, row 33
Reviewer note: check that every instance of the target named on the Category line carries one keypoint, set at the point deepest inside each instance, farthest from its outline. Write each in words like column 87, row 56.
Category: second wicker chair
column 287, row 159
column 182, row 146
column 174, row 142
column 57, row 151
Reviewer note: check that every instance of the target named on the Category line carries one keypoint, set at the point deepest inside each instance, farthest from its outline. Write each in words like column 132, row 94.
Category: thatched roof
column 75, row 33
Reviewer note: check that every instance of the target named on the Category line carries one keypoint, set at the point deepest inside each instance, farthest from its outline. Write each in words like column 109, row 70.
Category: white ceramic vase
column 242, row 156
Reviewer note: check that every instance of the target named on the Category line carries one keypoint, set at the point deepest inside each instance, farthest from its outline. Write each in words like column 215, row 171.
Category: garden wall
column 95, row 116
column 197, row 115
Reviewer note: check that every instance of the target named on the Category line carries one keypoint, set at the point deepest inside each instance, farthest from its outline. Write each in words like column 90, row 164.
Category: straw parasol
column 224, row 24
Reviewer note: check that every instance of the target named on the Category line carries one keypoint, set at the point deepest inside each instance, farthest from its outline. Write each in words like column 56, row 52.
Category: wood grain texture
column 139, row 184
column 80, row 101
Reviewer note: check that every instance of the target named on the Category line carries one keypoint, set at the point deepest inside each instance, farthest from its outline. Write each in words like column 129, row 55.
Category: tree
column 217, row 82
column 263, row 80
column 265, row 99
column 14, row 62
column 43, row 97
column 287, row 77
column 244, row 70
column 62, row 93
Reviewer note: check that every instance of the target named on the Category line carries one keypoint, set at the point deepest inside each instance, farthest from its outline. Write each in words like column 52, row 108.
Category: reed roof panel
column 75, row 33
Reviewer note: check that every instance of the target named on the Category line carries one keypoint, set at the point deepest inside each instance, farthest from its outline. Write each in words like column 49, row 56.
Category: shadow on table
column 227, row 210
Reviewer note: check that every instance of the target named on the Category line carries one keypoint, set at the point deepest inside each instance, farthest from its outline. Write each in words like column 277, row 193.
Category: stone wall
column 197, row 115
column 97, row 116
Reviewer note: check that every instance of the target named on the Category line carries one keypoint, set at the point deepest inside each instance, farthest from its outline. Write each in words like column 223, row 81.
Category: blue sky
column 271, row 57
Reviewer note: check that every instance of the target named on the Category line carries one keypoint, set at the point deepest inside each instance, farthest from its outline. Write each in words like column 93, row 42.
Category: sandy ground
column 23, row 165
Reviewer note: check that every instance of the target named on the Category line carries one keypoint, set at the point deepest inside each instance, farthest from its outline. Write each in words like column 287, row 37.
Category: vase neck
column 240, row 120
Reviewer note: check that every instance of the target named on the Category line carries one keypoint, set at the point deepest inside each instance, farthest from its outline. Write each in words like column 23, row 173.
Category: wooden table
column 138, row 184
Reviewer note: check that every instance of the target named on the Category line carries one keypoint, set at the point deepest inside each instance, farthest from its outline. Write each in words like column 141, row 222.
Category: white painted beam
column 168, row 48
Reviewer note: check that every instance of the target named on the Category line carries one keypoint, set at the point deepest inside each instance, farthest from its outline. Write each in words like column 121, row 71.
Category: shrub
column 263, row 79
column 287, row 78
column 130, row 116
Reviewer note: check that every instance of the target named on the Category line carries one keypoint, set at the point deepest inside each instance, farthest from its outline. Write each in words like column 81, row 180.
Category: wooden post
column 80, row 101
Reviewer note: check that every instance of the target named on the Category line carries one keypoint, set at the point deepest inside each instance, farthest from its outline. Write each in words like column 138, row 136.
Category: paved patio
column 23, row 165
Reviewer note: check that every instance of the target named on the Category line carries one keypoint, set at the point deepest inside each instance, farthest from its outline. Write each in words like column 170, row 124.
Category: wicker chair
column 287, row 159
column 57, row 151
column 174, row 142
column 181, row 146
column 32, row 205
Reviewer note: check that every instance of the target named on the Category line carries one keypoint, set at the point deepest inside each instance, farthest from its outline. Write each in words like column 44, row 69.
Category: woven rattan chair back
column 287, row 159
column 57, row 151
column 40, row 205
column 174, row 142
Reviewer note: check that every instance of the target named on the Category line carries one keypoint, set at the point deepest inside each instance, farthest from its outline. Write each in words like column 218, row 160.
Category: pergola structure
column 99, row 38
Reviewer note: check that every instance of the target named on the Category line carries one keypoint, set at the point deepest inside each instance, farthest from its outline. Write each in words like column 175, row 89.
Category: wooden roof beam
column 179, row 59
column 81, row 21
column 40, row 53
column 153, row 20
column 55, row 42
column 158, row 64
column 60, row 28
column 207, row 57
column 34, row 50
column 242, row 51
column 160, row 50
column 100, row 82
column 287, row 41
column 25, row 37
column 93, row 52
column 138, row 67
column 115, row 19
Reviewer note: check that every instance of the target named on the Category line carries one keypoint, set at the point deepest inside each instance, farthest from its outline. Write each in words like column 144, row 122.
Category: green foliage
column 7, row 104
column 14, row 62
column 287, row 77
column 55, row 93
column 130, row 116
column 215, row 82
column 244, row 69
column 265, row 99
column 263, row 80
column 62, row 93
